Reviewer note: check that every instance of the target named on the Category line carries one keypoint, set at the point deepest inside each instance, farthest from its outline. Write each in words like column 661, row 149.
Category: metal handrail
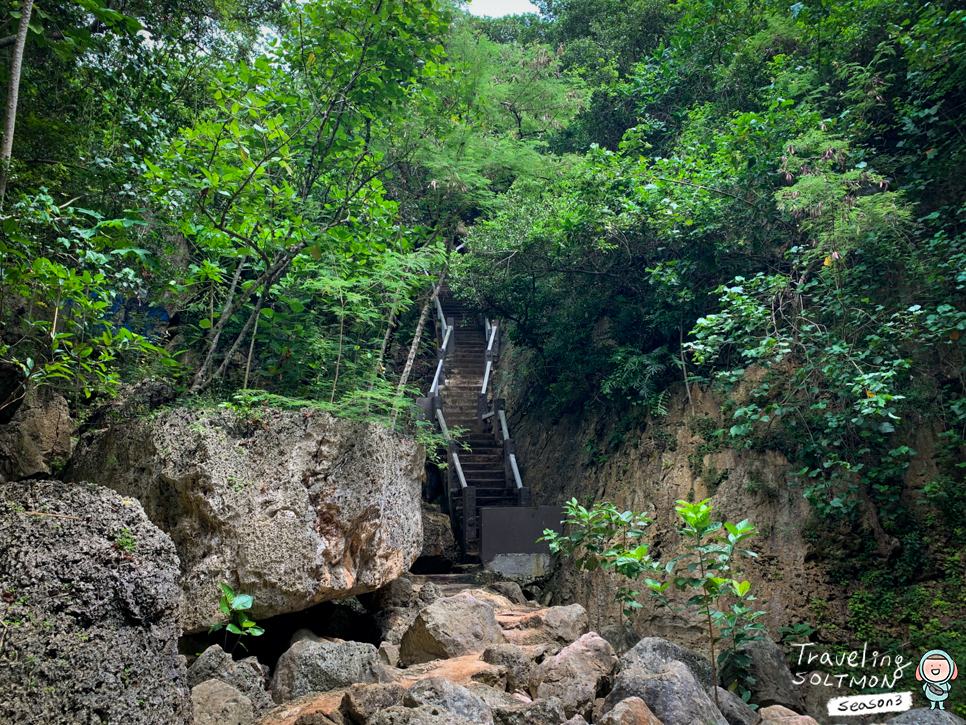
column 439, row 310
column 442, row 425
column 439, row 371
column 489, row 347
column 459, row 469
column 486, row 376
column 506, row 431
column 516, row 471
column 449, row 332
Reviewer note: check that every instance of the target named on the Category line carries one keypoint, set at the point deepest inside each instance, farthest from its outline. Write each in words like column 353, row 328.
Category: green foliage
column 602, row 537
column 235, row 607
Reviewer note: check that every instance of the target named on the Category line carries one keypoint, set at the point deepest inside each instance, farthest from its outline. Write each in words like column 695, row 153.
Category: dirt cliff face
column 293, row 507
column 801, row 573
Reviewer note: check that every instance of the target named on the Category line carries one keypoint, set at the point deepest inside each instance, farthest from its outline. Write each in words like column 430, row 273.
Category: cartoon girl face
column 936, row 669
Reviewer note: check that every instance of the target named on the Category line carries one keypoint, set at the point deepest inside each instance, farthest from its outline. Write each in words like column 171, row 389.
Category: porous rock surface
column 578, row 674
column 672, row 694
column 293, row 507
column 36, row 437
column 450, row 627
column 440, row 692
column 309, row 666
column 652, row 653
column 215, row 702
column 244, row 675
column 92, row 587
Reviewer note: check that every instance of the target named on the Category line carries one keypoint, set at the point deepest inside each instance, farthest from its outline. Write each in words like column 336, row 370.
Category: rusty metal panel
column 515, row 530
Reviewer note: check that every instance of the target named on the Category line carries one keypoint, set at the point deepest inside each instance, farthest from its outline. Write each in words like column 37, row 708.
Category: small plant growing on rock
column 236, row 607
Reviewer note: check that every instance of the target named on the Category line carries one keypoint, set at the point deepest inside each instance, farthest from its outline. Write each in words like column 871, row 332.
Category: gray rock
column 389, row 653
column 735, row 710
column 245, row 676
column 393, row 623
column 304, row 633
column 632, row 711
column 553, row 625
column 97, row 600
column 423, row 715
column 781, row 715
column 492, row 696
column 361, row 702
column 538, row 712
column 309, row 667
column 578, row 674
column 622, row 639
column 35, row 442
column 774, row 684
column 925, row 716
column 439, row 546
column 576, row 720
column 397, row 593
column 429, row 593
column 449, row 627
column 672, row 694
column 511, row 590
column 217, row 703
column 294, row 511
column 492, row 676
column 440, row 692
column 652, row 653
column 518, row 664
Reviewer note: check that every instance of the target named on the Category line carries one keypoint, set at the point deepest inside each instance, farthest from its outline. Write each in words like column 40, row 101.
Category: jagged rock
column 245, row 676
column 774, row 684
column 672, row 693
column 94, row 587
column 510, row 590
column 816, row 691
column 518, row 665
column 497, row 601
column 449, row 627
column 925, row 716
column 439, row 546
column 577, row 674
column 652, row 653
column 492, row 696
column 397, row 593
column 215, row 702
column 622, row 639
column 493, row 676
column 632, row 711
column 429, row 593
column 393, row 623
column 778, row 715
column 538, row 712
column 389, row 653
column 308, row 667
column 559, row 625
column 35, row 442
column 303, row 633
column 735, row 710
column 424, row 715
column 576, row 720
column 440, row 692
column 295, row 510
column 361, row 702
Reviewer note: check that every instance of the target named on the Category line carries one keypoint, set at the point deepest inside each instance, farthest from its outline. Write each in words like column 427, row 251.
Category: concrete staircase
column 484, row 464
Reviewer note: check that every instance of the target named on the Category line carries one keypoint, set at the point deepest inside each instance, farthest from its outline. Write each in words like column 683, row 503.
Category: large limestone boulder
column 294, row 507
column 215, row 702
column 672, row 694
column 554, row 625
column 440, row 692
column 308, row 666
column 450, row 627
column 578, row 674
column 35, row 439
column 244, row 675
column 774, row 684
column 652, row 653
column 93, row 587
column 778, row 715
column 361, row 702
column 518, row 665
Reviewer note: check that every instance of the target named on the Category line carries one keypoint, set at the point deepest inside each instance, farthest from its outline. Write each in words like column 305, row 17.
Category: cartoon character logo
column 937, row 669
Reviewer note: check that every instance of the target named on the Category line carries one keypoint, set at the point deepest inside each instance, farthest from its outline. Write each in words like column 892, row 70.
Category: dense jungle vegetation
column 250, row 198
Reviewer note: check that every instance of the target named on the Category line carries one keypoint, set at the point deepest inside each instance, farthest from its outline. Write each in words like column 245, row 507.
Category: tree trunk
column 13, row 93
column 411, row 358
